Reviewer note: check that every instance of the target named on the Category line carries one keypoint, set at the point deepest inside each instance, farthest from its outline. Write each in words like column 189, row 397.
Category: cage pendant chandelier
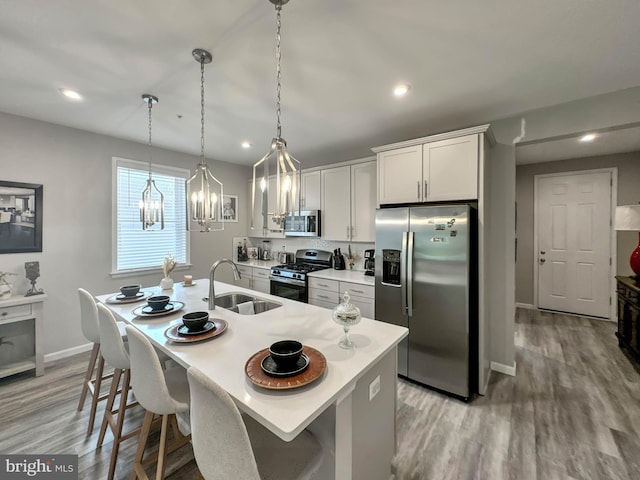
column 152, row 203
column 285, row 200
column 204, row 190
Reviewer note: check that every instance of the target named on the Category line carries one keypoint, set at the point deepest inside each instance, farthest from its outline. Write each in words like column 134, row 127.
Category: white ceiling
column 468, row 62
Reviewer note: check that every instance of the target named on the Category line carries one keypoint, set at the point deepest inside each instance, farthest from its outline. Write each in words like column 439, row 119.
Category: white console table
column 14, row 312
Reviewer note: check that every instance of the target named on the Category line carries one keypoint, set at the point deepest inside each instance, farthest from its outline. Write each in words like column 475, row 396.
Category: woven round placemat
column 317, row 366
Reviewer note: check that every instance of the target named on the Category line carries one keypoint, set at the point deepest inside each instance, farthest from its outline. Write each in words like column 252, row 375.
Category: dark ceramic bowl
column 130, row 290
column 195, row 321
column 286, row 352
column 158, row 302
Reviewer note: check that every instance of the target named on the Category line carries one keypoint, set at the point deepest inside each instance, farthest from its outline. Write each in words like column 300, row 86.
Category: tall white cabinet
column 465, row 166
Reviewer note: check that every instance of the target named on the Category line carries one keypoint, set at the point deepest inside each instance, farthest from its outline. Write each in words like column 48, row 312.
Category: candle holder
column 33, row 273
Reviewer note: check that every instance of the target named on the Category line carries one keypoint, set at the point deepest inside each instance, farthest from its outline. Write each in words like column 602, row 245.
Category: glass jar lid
column 346, row 312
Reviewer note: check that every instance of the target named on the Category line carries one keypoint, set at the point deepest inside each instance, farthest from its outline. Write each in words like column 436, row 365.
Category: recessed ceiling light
column 590, row 137
column 72, row 94
column 246, row 144
column 401, row 89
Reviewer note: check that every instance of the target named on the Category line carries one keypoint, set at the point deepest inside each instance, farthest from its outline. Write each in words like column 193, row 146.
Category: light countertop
column 353, row 276
column 285, row 413
column 266, row 264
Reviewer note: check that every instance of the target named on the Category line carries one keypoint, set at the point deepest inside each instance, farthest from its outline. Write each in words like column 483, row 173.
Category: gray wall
column 75, row 168
column 628, row 165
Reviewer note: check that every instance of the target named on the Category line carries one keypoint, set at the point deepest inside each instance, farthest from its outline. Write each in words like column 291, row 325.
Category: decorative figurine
column 33, row 272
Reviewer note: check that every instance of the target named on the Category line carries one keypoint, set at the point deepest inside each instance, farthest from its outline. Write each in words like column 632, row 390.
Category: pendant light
column 152, row 203
column 287, row 168
column 204, row 190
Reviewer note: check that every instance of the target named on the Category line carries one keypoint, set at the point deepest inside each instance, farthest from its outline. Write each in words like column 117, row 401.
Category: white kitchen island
column 358, row 433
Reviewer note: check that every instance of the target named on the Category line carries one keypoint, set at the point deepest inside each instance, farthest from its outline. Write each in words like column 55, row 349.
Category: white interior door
column 573, row 215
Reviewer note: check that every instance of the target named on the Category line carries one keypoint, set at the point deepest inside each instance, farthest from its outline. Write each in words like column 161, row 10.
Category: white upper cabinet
column 310, row 191
column 400, row 175
column 336, row 203
column 433, row 171
column 363, row 202
column 349, row 202
column 450, row 169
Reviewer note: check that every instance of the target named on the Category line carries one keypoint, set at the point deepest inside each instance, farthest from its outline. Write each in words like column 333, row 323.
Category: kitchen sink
column 231, row 301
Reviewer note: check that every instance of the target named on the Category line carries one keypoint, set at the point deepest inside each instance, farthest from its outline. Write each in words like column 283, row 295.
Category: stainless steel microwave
column 305, row 224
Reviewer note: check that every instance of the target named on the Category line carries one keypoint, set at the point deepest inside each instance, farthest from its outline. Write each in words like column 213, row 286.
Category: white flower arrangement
column 3, row 277
column 168, row 265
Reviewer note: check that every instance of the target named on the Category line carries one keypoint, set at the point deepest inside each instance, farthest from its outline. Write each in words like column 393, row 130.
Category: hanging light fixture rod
column 206, row 191
column 287, row 167
column 152, row 203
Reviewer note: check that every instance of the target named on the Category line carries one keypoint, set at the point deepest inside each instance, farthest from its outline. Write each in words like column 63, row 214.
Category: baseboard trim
column 528, row 306
column 69, row 352
column 502, row 368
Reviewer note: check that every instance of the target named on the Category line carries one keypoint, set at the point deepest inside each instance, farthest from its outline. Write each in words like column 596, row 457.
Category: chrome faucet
column 236, row 275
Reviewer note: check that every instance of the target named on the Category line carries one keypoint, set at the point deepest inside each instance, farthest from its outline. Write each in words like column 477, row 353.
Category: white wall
column 75, row 168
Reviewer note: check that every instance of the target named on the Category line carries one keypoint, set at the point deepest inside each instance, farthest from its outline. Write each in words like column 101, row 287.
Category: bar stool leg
column 115, row 383
column 138, row 469
column 96, row 394
column 87, row 378
column 117, row 434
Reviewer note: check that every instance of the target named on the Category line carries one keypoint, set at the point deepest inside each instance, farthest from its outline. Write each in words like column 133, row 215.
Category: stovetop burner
column 299, row 267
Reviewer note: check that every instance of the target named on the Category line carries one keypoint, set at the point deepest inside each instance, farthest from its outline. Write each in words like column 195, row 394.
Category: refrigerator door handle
column 403, row 271
column 409, row 278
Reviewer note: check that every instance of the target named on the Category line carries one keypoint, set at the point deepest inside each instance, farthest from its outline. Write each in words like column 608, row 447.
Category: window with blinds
column 138, row 249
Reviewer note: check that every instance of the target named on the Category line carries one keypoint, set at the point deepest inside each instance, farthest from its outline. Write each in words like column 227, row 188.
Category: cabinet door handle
column 426, row 191
column 418, row 189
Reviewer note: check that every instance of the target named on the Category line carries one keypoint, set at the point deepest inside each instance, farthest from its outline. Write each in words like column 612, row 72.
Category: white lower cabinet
column 323, row 293
column 362, row 296
column 261, row 282
column 246, row 274
column 254, row 278
column 328, row 294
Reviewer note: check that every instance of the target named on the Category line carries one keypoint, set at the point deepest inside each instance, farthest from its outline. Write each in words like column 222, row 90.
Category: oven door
column 291, row 290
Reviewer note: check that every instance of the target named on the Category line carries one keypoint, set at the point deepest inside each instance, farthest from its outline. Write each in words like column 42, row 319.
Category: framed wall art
column 229, row 208
column 20, row 217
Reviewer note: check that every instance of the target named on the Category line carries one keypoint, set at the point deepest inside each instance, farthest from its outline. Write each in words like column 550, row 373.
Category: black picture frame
column 20, row 217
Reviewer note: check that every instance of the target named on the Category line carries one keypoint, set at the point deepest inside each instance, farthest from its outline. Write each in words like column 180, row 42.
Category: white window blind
column 138, row 249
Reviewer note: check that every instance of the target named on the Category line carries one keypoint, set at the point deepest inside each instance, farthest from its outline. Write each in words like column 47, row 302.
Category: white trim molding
column 439, row 136
column 528, row 306
column 502, row 368
column 69, row 352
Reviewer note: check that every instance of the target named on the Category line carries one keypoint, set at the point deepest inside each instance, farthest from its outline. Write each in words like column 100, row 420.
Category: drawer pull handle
column 323, row 296
column 4, row 314
column 357, row 291
column 323, row 285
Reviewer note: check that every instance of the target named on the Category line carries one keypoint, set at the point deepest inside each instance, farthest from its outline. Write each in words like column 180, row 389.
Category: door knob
column 542, row 252
column 542, row 260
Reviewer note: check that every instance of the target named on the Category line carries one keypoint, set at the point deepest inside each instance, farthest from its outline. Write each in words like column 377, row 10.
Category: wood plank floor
column 572, row 411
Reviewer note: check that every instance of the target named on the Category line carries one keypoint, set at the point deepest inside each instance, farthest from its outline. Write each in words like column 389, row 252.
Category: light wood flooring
column 572, row 411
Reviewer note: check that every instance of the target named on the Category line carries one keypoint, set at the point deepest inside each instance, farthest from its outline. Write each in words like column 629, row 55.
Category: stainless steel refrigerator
column 425, row 280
